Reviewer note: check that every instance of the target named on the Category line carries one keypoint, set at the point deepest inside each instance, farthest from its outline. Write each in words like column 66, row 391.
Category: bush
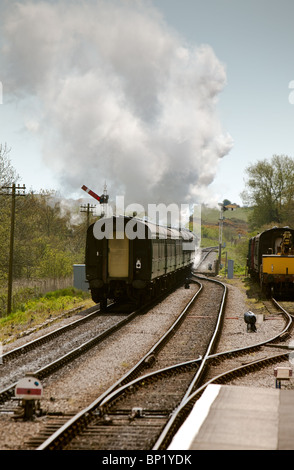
column 27, row 299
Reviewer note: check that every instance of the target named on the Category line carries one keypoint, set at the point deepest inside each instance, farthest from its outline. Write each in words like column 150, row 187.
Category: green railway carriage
column 131, row 258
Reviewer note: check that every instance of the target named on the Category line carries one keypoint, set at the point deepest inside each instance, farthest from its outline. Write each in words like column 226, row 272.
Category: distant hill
column 235, row 223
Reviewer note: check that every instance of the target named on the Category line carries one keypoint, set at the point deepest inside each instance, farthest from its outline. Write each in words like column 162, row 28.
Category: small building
column 231, row 207
column 80, row 281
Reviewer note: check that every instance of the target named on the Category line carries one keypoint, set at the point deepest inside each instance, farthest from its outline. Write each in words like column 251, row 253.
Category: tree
column 270, row 189
column 46, row 242
column 45, row 238
column 55, row 263
column 8, row 174
column 226, row 202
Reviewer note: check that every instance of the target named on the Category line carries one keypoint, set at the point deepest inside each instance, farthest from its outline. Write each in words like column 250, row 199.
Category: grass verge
column 37, row 310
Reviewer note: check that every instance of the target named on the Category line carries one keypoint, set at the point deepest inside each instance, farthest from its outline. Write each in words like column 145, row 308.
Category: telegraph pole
column 13, row 191
column 89, row 208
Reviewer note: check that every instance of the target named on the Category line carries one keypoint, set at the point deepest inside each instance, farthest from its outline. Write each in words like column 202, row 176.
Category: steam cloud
column 116, row 96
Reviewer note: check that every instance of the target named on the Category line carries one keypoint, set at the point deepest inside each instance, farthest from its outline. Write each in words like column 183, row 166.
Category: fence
column 36, row 286
column 42, row 286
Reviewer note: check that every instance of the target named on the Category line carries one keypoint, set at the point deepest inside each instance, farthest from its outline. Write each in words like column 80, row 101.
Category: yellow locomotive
column 271, row 260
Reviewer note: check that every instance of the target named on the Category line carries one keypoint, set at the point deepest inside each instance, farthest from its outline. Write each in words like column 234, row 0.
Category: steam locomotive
column 131, row 258
column 271, row 260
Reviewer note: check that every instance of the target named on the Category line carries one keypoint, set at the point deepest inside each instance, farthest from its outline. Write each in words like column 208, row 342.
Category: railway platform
column 239, row 418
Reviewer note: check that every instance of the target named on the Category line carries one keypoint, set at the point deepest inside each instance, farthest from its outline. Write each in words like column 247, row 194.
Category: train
column 134, row 259
column 270, row 260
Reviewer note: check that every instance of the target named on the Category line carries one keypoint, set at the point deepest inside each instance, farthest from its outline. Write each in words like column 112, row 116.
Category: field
column 234, row 238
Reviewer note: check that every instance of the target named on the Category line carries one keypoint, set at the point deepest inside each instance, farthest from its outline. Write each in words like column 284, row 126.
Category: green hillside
column 235, row 234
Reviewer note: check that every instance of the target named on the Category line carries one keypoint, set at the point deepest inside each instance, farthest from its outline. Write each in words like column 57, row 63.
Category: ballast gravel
column 78, row 384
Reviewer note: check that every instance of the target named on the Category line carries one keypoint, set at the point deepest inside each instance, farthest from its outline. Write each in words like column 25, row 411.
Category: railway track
column 52, row 351
column 132, row 412
column 226, row 374
column 154, row 404
column 140, row 414
column 47, row 354
column 61, row 402
column 207, row 263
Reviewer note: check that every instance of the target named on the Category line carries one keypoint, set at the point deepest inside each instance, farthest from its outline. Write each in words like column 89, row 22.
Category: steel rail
column 81, row 420
column 212, row 341
column 99, row 406
column 253, row 347
column 184, row 410
column 66, row 358
column 48, row 336
column 205, row 252
column 186, row 405
column 8, row 392
column 202, row 367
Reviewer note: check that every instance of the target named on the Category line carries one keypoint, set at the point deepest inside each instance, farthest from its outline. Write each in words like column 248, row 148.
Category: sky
column 165, row 101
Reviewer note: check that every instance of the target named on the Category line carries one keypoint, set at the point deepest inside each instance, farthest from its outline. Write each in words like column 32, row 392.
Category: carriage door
column 118, row 257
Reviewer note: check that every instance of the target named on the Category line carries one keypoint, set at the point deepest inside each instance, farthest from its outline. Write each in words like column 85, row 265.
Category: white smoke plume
column 116, row 96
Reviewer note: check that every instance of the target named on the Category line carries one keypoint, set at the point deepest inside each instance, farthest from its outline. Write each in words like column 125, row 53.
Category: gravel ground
column 234, row 332
column 235, row 335
column 108, row 362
